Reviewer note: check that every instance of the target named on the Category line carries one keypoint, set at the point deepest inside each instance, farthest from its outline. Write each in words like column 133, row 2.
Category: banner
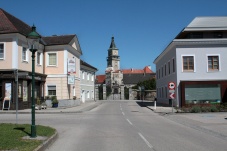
column 71, row 65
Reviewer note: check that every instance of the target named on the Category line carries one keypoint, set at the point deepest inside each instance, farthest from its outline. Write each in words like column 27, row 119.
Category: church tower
column 113, row 59
column 114, row 76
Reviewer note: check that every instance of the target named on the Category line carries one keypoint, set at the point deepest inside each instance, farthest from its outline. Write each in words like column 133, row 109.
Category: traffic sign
column 171, row 85
column 172, row 95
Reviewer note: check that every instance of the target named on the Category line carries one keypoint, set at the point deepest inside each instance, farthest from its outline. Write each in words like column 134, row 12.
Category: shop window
column 51, row 90
column 202, row 93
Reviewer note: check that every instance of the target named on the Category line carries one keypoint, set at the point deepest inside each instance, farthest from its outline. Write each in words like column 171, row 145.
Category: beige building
column 57, row 64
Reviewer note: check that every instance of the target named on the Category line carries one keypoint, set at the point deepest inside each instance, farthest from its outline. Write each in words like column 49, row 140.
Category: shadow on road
column 148, row 104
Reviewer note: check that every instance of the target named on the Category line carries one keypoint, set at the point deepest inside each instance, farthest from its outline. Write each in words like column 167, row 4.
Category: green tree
column 126, row 91
column 101, row 92
column 148, row 84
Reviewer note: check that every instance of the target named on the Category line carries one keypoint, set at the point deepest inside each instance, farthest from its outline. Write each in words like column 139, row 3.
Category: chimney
column 149, row 66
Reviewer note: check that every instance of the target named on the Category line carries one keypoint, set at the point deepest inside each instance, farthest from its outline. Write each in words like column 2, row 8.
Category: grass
column 11, row 136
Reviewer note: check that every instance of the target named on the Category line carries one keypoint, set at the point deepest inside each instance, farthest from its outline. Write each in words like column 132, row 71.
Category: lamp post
column 33, row 44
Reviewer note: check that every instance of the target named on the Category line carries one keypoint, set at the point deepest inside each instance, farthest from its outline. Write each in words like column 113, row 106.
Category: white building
column 196, row 62
column 87, row 82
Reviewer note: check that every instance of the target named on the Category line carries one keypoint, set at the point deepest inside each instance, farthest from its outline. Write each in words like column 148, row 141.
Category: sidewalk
column 160, row 108
column 76, row 109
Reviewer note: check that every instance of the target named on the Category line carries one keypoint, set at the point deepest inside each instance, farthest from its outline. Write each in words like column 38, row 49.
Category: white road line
column 148, row 144
column 123, row 113
column 129, row 121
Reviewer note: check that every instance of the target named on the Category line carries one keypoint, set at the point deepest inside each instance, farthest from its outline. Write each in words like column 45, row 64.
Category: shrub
column 213, row 108
column 54, row 99
column 205, row 109
column 195, row 109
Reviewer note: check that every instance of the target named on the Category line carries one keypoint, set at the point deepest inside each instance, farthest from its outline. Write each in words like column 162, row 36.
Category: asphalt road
column 122, row 126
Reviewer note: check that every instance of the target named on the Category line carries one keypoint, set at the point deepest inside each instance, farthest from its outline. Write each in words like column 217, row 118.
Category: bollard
column 155, row 105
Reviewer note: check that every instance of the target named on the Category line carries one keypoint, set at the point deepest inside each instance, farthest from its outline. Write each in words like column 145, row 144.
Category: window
column 39, row 58
column 87, row 76
column 24, row 54
column 51, row 90
column 162, row 71
column 202, row 93
column 92, row 77
column 169, row 67
column 173, row 65
column 165, row 69
column 188, row 63
column 83, row 75
column 213, row 63
column 1, row 51
column 52, row 59
column 88, row 94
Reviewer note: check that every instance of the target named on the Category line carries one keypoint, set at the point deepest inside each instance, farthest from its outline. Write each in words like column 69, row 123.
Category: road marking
column 123, row 113
column 129, row 121
column 148, row 144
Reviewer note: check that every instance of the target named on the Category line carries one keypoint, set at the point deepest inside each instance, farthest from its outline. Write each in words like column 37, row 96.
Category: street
column 123, row 126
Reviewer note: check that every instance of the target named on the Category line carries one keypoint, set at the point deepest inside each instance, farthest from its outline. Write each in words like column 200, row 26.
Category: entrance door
column 83, row 96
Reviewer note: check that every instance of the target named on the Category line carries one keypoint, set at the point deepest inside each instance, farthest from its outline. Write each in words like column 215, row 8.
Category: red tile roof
column 136, row 71
column 100, row 79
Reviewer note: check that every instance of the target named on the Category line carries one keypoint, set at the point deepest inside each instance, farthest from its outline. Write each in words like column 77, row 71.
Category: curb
column 47, row 143
column 87, row 108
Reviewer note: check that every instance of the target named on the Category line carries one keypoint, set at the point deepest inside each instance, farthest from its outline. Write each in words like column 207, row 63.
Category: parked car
column 43, row 106
column 37, row 107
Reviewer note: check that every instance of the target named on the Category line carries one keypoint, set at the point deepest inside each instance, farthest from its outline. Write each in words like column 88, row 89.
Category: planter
column 55, row 105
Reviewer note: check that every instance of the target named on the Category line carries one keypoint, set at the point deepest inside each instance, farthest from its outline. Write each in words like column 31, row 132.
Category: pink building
column 57, row 64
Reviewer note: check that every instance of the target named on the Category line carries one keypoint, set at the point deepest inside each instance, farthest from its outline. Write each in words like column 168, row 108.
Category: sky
column 142, row 29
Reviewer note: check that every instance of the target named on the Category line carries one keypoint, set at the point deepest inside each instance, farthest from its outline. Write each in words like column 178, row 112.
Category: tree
column 148, row 84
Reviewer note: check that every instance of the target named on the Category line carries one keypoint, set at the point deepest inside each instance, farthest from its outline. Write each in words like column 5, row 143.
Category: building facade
column 52, row 70
column 114, row 76
column 195, row 62
column 87, row 82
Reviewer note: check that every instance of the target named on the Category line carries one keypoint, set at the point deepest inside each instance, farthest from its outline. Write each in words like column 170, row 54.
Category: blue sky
column 142, row 28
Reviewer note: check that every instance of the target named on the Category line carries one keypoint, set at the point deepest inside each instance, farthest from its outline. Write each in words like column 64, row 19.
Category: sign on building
column 71, row 80
column 71, row 65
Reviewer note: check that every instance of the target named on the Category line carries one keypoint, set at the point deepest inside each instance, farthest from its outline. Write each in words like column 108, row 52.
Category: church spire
column 112, row 45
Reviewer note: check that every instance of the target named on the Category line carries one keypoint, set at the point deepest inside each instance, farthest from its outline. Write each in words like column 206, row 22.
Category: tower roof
column 112, row 45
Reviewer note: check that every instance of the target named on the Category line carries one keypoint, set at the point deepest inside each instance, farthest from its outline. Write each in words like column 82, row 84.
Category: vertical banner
column 8, row 90
column 71, row 65
column 25, row 91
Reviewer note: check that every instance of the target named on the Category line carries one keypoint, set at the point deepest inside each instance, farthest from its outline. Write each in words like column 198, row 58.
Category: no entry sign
column 171, row 85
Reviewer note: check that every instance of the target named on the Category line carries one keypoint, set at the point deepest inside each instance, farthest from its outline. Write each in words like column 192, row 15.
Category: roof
column 58, row 40
column 198, row 24
column 11, row 24
column 87, row 65
column 112, row 44
column 136, row 78
column 204, row 22
column 100, row 79
column 136, row 71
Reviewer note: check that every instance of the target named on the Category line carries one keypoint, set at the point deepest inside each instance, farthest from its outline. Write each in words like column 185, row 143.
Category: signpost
column 171, row 86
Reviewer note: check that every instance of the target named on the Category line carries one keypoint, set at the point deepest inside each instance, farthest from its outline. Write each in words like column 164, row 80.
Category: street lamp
column 33, row 44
